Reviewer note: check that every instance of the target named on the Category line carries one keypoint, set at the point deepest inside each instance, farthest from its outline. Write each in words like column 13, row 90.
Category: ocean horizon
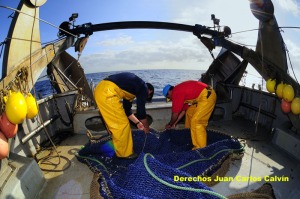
column 157, row 77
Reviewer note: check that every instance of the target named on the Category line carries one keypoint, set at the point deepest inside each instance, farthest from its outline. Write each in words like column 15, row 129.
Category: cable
column 46, row 158
column 242, row 44
column 43, row 160
column 295, row 27
column 2, row 47
column 34, row 91
column 245, row 31
column 260, row 93
column 16, row 10
column 288, row 54
column 30, row 52
column 53, row 41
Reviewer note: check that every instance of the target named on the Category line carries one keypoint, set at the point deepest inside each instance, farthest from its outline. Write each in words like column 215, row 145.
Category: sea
column 158, row 78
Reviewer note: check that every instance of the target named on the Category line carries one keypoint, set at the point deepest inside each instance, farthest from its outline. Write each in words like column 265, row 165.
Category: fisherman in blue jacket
column 114, row 96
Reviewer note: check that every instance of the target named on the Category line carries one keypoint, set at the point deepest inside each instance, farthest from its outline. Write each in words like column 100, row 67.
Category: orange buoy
column 295, row 106
column 279, row 90
column 3, row 146
column 288, row 93
column 285, row 106
column 271, row 83
column 32, row 109
column 15, row 108
column 8, row 129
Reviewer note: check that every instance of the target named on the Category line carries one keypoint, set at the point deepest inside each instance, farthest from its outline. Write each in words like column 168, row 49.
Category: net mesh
column 166, row 167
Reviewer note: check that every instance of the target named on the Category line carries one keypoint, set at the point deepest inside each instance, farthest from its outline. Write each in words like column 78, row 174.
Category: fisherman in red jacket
column 196, row 100
column 114, row 96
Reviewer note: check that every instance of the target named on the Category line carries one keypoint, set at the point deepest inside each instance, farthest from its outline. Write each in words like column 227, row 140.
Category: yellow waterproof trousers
column 108, row 99
column 197, row 116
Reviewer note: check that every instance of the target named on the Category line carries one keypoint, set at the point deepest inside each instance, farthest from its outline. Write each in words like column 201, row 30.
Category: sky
column 140, row 49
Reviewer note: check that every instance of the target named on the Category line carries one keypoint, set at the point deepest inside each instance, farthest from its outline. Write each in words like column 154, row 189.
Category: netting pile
column 165, row 162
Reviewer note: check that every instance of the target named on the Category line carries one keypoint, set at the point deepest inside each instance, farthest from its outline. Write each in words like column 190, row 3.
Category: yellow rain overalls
column 108, row 99
column 198, row 114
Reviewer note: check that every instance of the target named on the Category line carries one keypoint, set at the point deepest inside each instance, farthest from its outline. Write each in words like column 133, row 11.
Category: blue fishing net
column 166, row 167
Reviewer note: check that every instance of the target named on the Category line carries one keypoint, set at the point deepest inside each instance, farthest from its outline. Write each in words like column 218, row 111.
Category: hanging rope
column 2, row 47
column 260, row 90
column 21, row 83
column 288, row 54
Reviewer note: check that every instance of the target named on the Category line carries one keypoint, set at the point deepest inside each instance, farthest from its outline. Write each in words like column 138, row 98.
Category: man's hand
column 146, row 127
column 168, row 126
column 140, row 126
column 173, row 121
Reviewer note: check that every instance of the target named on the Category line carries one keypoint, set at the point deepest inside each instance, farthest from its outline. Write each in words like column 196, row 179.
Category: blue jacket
column 134, row 85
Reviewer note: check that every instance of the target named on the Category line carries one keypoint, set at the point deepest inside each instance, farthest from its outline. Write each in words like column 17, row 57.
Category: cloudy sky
column 159, row 49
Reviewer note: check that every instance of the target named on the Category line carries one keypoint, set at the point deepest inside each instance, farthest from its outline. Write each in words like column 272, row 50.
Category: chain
column 2, row 102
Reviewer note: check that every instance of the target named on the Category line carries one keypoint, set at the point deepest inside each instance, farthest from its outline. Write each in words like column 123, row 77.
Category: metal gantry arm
column 89, row 28
column 198, row 30
column 215, row 38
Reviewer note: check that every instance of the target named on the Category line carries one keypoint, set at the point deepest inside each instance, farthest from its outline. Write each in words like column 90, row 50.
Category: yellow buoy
column 15, row 108
column 295, row 106
column 32, row 109
column 271, row 85
column 288, row 93
column 279, row 90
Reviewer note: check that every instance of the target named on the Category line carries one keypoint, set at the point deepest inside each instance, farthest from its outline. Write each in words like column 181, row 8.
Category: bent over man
column 109, row 94
column 196, row 100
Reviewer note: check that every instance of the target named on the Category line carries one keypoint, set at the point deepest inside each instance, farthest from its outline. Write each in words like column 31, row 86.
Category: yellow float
column 295, row 106
column 32, row 109
column 271, row 83
column 279, row 90
column 288, row 93
column 15, row 107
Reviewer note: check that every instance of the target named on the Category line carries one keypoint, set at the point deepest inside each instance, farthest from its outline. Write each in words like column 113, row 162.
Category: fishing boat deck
column 74, row 179
column 262, row 161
